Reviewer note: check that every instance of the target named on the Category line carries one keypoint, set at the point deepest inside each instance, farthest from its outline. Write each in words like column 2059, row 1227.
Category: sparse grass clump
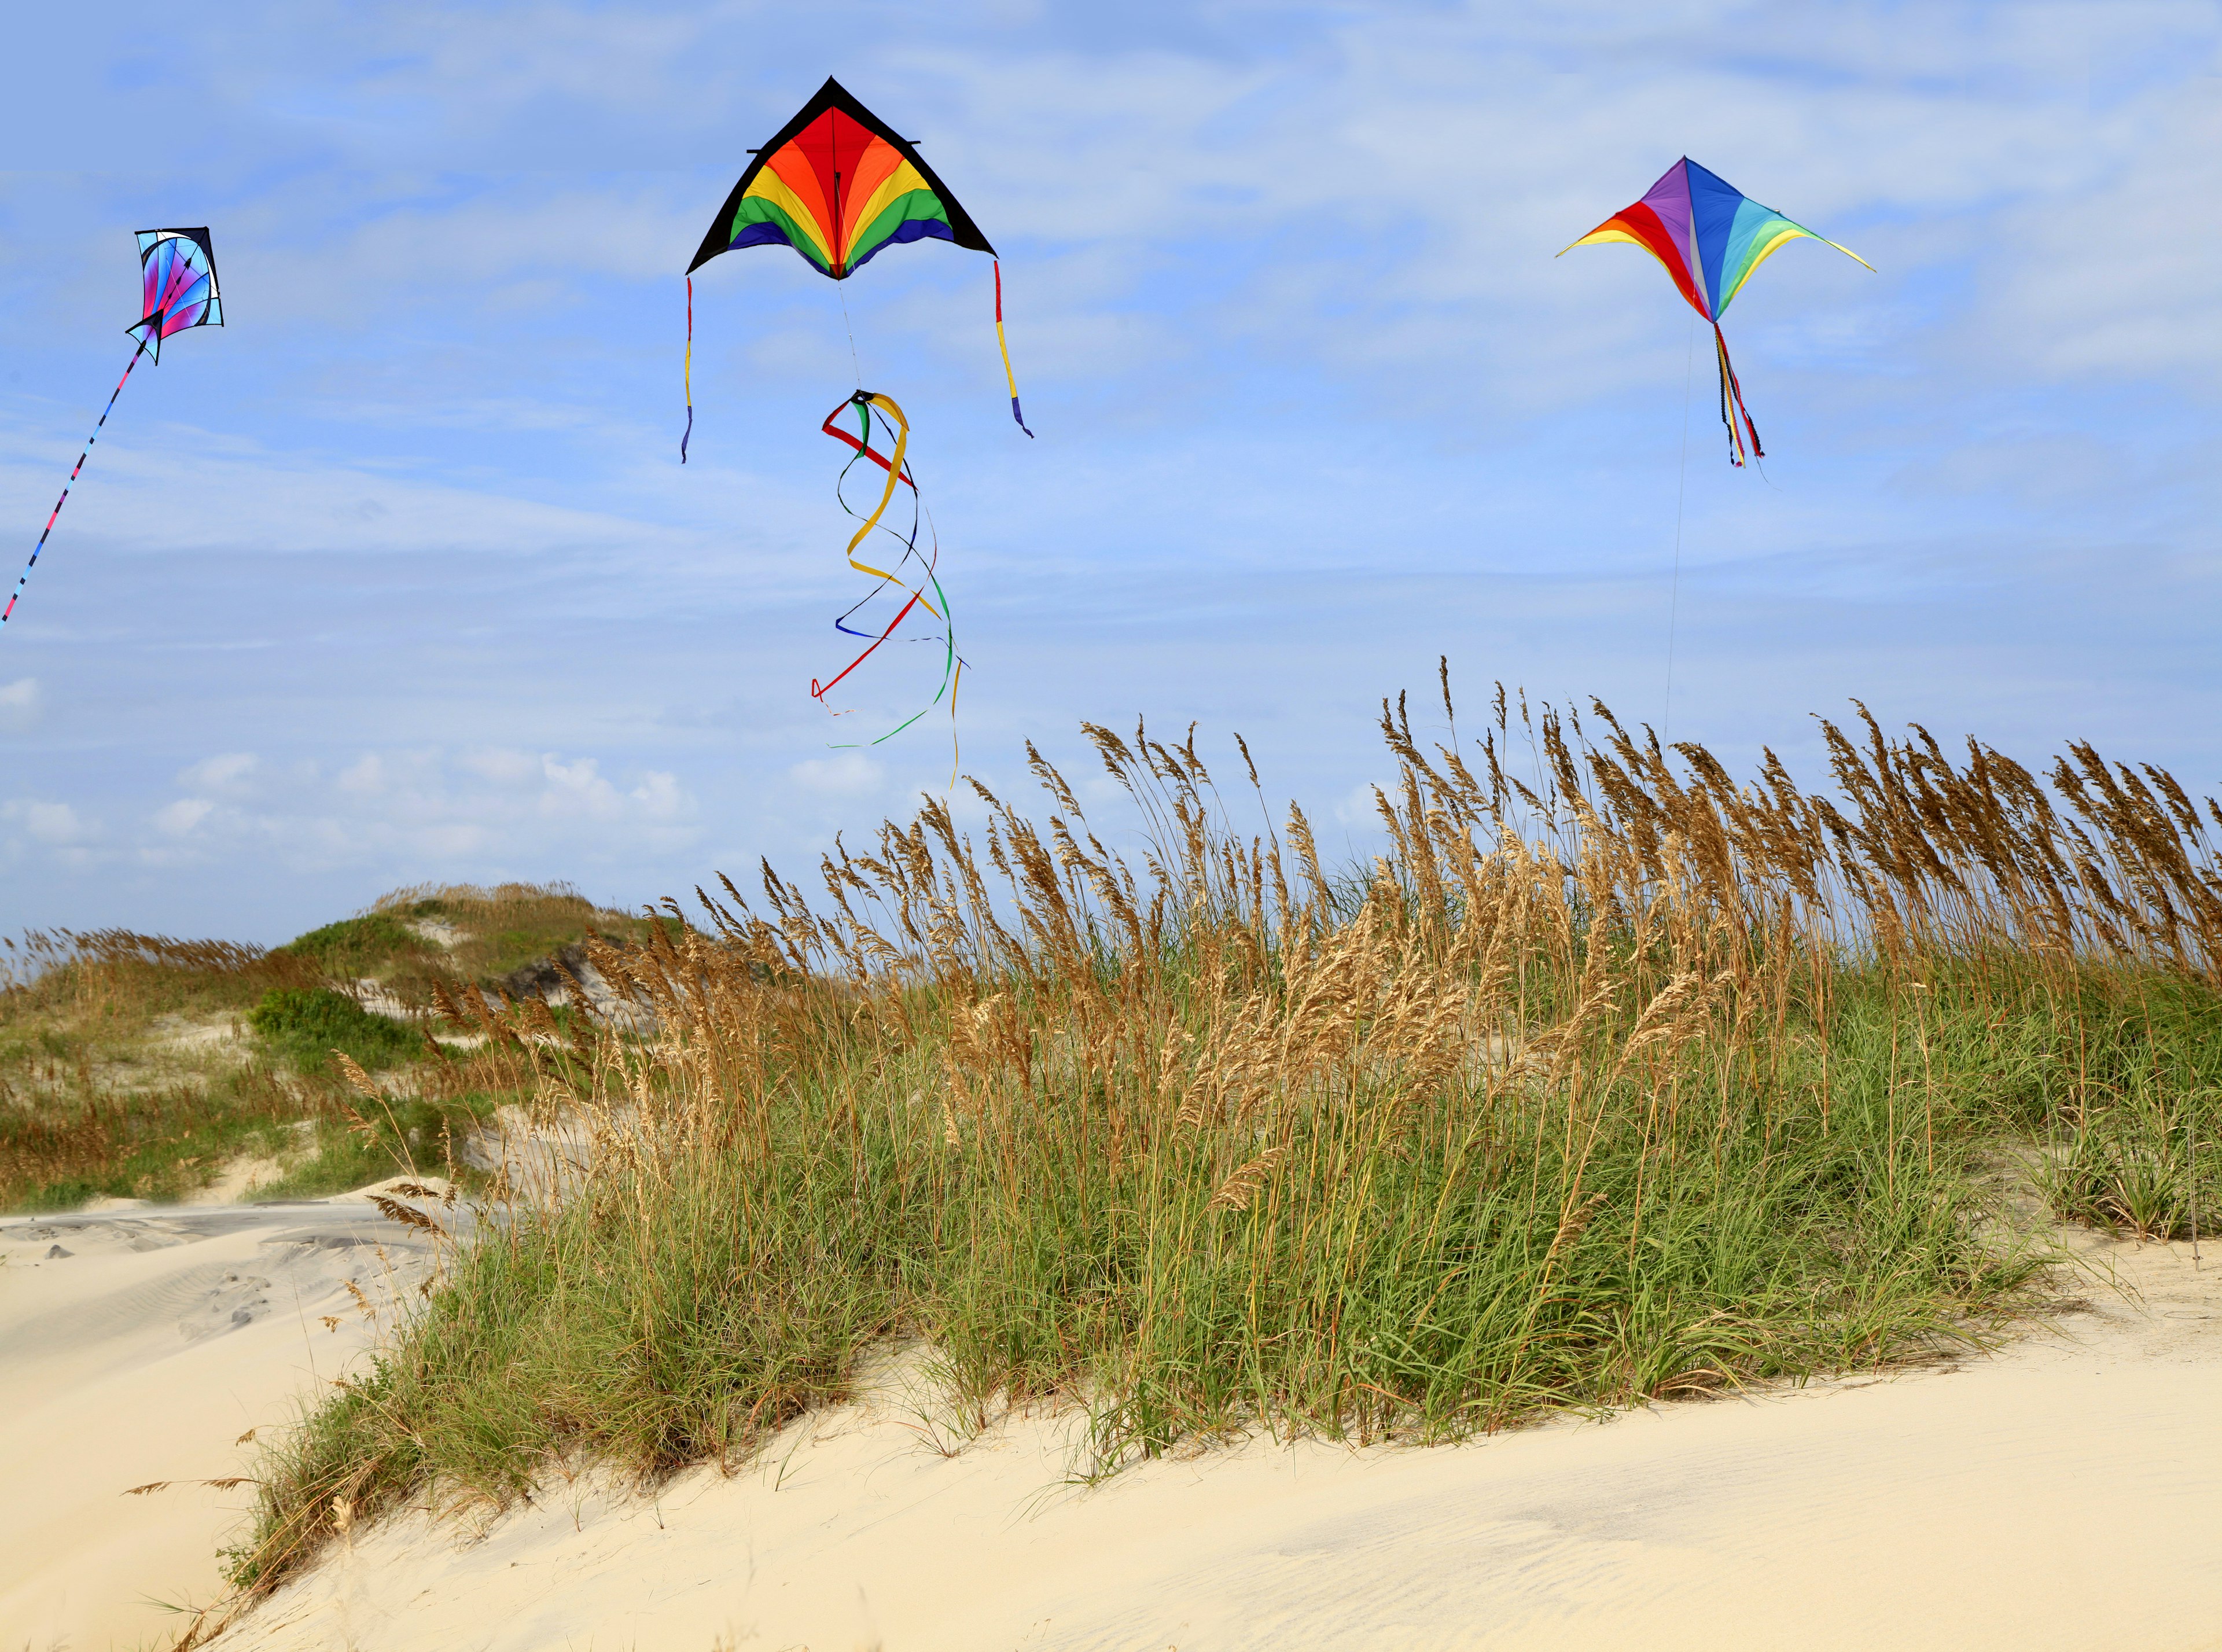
column 1624, row 1081
column 355, row 1144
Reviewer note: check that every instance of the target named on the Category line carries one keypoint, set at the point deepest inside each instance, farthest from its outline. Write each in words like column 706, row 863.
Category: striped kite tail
column 1003, row 344
column 688, row 372
column 1733, row 411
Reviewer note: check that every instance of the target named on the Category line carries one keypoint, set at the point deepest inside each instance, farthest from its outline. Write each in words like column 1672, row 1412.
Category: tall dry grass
column 1611, row 1078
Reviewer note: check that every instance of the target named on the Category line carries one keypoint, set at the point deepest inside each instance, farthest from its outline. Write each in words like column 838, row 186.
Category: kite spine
column 74, row 469
column 1003, row 344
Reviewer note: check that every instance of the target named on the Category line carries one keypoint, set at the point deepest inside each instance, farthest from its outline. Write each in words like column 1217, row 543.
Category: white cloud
column 577, row 788
column 178, row 818
column 849, row 774
column 661, row 797
column 19, row 703
column 1359, row 809
column 49, row 823
column 219, row 773
column 365, row 775
column 2116, row 278
column 503, row 767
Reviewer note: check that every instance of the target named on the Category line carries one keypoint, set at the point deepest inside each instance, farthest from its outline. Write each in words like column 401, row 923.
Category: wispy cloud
column 399, row 577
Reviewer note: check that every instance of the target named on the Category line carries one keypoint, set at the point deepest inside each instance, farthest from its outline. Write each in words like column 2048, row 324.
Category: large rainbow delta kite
column 838, row 186
column 1710, row 237
column 178, row 290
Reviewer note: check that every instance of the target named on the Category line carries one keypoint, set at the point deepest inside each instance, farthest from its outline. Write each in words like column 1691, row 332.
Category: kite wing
column 838, row 186
column 177, row 279
column 1710, row 236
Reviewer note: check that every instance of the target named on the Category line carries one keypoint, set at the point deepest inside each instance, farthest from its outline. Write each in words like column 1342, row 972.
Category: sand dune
column 138, row 1345
column 2067, row 1492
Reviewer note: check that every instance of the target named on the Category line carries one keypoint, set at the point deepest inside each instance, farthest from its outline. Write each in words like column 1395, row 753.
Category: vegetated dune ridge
column 1626, row 1084
column 1630, row 1084
column 140, row 1346
column 179, row 1072
column 2066, row 1492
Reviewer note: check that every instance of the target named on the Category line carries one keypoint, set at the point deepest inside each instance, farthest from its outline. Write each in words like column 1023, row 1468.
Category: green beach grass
column 1616, row 1081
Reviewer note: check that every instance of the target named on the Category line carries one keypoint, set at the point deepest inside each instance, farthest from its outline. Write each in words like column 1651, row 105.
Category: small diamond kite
column 1710, row 236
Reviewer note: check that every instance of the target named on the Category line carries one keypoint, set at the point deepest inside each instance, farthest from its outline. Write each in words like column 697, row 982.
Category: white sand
column 142, row 1354
column 2068, row 1494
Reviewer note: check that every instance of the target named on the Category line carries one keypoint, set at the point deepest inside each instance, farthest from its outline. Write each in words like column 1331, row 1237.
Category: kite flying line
column 1708, row 236
column 1681, row 489
column 177, row 273
column 72, row 482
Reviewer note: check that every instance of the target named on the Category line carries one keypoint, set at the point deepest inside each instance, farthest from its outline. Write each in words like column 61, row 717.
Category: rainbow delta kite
column 838, row 186
column 1710, row 237
column 178, row 290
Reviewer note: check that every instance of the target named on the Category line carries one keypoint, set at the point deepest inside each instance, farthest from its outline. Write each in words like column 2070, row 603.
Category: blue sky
column 397, row 579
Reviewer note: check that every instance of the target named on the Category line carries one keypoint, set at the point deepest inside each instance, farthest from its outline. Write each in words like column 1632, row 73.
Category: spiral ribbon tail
column 956, row 752
column 865, row 402
column 1733, row 413
column 1003, row 344
column 689, row 432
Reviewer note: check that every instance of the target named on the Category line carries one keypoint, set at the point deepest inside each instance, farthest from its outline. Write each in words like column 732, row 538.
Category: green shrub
column 305, row 1024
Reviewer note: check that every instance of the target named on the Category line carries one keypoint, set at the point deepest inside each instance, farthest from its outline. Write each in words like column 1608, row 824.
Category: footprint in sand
column 238, row 1301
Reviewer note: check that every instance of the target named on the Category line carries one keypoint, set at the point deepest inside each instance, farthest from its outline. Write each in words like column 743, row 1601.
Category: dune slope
column 2064, row 1493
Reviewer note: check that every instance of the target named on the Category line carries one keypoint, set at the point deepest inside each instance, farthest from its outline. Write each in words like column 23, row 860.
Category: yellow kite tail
column 1003, row 344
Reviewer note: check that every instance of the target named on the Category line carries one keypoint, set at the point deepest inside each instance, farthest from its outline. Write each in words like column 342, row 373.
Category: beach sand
column 138, row 1344
column 2065, row 1492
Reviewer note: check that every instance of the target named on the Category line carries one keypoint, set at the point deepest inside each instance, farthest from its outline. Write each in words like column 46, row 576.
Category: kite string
column 854, row 360
column 74, row 469
column 840, row 280
column 1681, row 489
